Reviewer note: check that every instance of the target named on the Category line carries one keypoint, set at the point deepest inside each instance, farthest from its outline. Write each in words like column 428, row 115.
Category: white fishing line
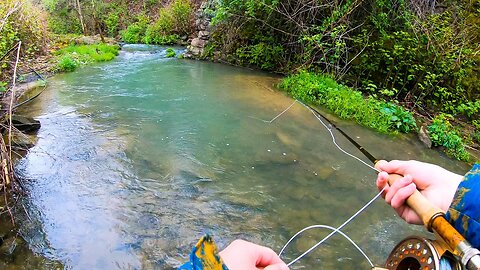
column 338, row 229
column 333, row 232
column 330, row 228
column 275, row 118
column 329, row 128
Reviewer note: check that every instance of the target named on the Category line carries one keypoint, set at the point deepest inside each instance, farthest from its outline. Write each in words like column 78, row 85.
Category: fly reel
column 417, row 253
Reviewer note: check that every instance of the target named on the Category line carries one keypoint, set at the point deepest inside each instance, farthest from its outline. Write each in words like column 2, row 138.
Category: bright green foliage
column 444, row 134
column 73, row 56
column 170, row 53
column 470, row 109
column 400, row 118
column 349, row 104
column 136, row 31
column 173, row 21
column 67, row 64
column 3, row 86
column 160, row 32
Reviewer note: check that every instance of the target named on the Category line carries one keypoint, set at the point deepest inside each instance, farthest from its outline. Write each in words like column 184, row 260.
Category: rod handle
column 421, row 205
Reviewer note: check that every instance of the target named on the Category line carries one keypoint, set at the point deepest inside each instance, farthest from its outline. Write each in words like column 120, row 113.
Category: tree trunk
column 97, row 24
column 79, row 9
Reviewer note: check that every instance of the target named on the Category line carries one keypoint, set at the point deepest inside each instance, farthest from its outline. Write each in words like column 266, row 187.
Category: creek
column 139, row 157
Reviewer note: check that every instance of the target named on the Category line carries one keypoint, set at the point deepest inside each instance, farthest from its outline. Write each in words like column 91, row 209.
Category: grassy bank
column 73, row 56
column 383, row 116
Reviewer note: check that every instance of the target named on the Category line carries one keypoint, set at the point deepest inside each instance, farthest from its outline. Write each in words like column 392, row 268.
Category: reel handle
column 434, row 220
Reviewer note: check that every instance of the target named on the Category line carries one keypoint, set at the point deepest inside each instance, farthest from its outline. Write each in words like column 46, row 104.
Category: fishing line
column 338, row 229
column 330, row 228
column 333, row 232
column 329, row 128
column 275, row 118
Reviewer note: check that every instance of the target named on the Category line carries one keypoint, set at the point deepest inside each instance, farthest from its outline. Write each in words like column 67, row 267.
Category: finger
column 402, row 195
column 380, row 164
column 382, row 180
column 408, row 215
column 278, row 266
column 394, row 166
column 266, row 257
column 395, row 187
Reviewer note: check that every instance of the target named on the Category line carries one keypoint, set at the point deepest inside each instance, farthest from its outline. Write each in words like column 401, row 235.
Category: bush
column 171, row 53
column 348, row 103
column 182, row 14
column 266, row 56
column 135, row 32
column 173, row 21
column 67, row 64
column 161, row 32
column 20, row 20
column 444, row 134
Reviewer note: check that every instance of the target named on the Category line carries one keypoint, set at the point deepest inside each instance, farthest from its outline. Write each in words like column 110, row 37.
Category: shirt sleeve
column 204, row 256
column 464, row 213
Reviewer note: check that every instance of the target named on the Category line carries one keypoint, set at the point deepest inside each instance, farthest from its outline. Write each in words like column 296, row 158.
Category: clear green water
column 137, row 158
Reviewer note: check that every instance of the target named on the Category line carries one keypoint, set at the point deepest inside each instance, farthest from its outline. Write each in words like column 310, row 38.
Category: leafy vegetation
column 173, row 22
column 170, row 52
column 74, row 56
column 422, row 55
column 444, row 134
column 19, row 21
column 322, row 90
column 135, row 32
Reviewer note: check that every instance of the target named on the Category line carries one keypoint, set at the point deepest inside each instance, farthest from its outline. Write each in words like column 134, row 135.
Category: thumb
column 277, row 266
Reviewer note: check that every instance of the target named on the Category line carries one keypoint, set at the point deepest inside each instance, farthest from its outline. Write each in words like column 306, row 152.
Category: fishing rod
column 415, row 252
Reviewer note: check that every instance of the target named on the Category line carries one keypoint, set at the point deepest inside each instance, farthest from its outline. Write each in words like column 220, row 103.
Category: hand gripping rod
column 433, row 218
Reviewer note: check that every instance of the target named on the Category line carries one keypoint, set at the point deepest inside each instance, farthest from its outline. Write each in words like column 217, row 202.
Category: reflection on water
column 137, row 158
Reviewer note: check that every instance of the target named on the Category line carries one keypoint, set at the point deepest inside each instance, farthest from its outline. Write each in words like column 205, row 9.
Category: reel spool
column 417, row 253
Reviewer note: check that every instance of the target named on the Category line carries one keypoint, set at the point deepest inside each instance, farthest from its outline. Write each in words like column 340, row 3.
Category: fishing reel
column 418, row 253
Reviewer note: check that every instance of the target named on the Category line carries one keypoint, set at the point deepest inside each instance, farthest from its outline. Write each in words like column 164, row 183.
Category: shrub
column 135, row 32
column 21, row 20
column 171, row 53
column 67, row 64
column 173, row 21
column 444, row 134
column 182, row 14
column 264, row 55
column 470, row 109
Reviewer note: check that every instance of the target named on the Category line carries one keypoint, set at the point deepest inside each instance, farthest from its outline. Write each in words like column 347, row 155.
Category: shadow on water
column 137, row 158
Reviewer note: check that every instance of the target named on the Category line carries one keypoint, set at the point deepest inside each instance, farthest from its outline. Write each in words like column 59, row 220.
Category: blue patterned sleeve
column 464, row 213
column 204, row 256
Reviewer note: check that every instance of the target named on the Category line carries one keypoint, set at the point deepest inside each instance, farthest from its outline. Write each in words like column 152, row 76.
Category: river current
column 139, row 157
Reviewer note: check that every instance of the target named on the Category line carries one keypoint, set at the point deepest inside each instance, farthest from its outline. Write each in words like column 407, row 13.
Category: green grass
column 74, row 56
column 385, row 117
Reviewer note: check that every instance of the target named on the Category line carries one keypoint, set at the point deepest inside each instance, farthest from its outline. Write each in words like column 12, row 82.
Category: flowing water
column 139, row 157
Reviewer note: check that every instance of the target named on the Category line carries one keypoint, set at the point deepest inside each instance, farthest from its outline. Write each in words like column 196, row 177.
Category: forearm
column 464, row 212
